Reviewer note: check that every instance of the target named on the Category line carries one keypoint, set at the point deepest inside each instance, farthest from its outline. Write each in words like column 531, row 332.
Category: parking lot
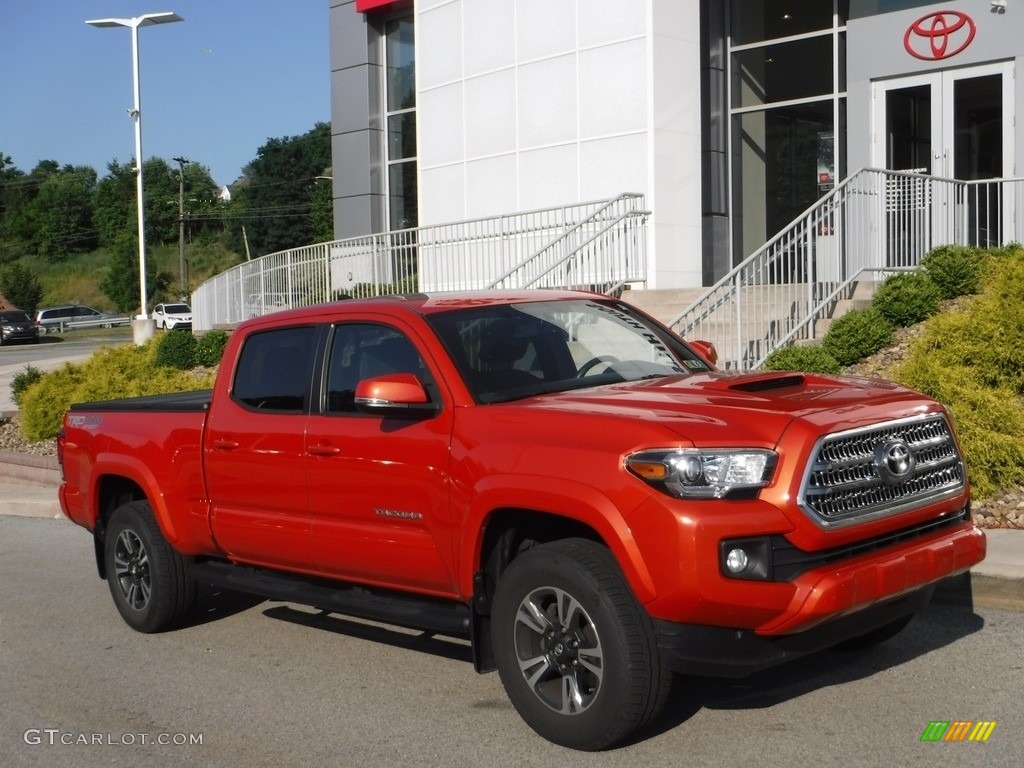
column 260, row 683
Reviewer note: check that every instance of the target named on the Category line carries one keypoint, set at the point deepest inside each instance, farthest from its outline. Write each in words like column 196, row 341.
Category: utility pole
column 181, row 224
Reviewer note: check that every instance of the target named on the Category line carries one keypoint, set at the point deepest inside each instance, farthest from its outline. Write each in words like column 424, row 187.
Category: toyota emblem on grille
column 895, row 462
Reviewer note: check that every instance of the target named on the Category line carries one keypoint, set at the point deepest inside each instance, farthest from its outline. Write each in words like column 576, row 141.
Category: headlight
column 692, row 473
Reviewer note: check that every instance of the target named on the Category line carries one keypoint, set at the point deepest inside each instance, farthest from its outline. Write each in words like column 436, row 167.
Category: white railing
column 594, row 245
column 874, row 223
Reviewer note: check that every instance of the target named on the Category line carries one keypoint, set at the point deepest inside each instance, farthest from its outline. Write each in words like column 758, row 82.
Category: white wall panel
column 491, row 187
column 602, row 21
column 549, row 177
column 491, row 110
column 613, row 88
column 544, row 28
column 440, row 136
column 546, row 97
column 439, row 46
column 487, row 37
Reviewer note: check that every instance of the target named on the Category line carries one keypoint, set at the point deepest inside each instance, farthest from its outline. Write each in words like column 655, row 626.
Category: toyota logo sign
column 939, row 35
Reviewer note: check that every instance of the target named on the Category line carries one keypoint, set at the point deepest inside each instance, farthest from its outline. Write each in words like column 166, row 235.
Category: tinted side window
column 361, row 351
column 275, row 369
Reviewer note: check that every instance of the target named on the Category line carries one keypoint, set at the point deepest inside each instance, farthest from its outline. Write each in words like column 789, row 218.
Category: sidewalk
column 996, row 582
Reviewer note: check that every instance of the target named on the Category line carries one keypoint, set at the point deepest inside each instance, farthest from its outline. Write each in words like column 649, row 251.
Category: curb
column 37, row 470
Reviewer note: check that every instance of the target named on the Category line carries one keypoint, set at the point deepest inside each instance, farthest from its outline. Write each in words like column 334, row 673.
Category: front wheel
column 575, row 651
column 148, row 579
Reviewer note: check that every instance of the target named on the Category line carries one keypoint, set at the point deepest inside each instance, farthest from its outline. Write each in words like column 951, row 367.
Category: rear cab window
column 275, row 370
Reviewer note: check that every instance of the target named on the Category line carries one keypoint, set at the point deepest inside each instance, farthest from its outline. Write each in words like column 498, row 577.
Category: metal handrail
column 875, row 221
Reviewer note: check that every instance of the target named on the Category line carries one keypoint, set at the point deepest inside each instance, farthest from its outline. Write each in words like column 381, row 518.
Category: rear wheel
column 575, row 651
column 148, row 579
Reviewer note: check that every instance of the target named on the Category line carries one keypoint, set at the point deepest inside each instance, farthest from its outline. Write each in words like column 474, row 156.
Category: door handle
column 323, row 450
column 225, row 445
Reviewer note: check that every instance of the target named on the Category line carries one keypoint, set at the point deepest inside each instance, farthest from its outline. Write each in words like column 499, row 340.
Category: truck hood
column 722, row 408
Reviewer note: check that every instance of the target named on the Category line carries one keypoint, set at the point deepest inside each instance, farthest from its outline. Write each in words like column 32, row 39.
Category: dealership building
column 729, row 117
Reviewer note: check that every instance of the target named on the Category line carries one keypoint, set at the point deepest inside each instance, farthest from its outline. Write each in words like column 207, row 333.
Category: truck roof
column 426, row 303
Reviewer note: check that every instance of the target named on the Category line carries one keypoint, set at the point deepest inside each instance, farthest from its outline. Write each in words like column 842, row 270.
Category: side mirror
column 394, row 394
column 707, row 350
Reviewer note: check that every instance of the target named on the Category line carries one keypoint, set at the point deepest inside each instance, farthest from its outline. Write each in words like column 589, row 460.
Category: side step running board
column 412, row 611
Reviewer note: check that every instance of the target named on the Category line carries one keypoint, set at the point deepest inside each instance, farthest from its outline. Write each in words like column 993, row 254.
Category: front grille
column 880, row 470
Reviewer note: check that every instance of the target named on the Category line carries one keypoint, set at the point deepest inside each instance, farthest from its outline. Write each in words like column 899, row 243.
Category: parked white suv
column 171, row 316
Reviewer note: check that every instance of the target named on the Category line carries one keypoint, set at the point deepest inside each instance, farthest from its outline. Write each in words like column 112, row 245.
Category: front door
column 953, row 124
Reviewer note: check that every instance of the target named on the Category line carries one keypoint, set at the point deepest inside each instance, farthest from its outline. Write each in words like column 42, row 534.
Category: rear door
column 255, row 450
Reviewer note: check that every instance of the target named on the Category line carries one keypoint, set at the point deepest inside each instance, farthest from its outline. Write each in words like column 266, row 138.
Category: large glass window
column 400, row 116
column 787, row 100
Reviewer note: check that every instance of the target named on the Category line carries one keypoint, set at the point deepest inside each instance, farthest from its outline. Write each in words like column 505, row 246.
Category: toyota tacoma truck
column 553, row 475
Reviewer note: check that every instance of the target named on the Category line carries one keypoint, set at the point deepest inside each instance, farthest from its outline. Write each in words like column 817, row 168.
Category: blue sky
column 215, row 87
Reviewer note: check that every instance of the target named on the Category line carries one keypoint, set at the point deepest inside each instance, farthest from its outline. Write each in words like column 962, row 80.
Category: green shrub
column 111, row 373
column 22, row 380
column 973, row 361
column 907, row 298
column 856, row 335
column 210, row 348
column 955, row 269
column 809, row 358
column 176, row 349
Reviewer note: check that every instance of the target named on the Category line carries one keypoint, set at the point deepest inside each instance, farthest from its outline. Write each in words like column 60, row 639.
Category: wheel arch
column 509, row 530
column 112, row 490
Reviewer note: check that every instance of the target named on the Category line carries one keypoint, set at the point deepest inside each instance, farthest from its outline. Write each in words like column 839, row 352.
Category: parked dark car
column 16, row 325
column 54, row 318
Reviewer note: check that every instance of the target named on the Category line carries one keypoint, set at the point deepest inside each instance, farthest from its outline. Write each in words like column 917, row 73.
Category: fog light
column 737, row 561
column 747, row 559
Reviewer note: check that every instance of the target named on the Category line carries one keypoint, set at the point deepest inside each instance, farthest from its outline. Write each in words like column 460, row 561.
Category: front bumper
column 826, row 605
column 723, row 652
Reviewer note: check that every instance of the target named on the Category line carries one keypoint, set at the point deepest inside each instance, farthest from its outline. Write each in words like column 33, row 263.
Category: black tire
column 876, row 636
column 575, row 651
column 149, row 581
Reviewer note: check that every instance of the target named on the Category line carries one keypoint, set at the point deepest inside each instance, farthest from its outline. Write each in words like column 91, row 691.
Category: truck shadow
column 937, row 625
column 215, row 603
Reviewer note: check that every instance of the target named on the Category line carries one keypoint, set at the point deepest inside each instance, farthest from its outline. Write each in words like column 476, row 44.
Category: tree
column 62, row 213
column 21, row 287
column 281, row 189
column 322, row 212
column 116, row 207
column 121, row 283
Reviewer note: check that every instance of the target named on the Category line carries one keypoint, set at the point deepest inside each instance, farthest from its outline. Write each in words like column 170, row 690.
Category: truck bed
column 177, row 402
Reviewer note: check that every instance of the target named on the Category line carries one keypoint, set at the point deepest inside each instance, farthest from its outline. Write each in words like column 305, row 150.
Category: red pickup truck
column 553, row 475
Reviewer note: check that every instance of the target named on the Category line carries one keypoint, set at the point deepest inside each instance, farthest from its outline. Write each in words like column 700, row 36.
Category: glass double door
column 954, row 124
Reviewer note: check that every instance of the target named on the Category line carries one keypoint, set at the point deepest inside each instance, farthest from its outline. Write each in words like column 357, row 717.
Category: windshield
column 509, row 351
column 14, row 317
column 177, row 309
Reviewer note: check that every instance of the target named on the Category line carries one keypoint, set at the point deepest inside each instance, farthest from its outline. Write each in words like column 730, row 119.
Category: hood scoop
column 769, row 382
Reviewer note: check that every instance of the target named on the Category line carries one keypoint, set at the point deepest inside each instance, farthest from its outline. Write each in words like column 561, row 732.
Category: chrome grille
column 881, row 470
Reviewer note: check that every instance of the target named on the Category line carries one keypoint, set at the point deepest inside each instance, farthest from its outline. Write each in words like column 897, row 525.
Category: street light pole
column 181, row 161
column 142, row 328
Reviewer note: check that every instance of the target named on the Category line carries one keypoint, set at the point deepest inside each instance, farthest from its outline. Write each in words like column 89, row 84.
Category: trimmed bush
column 955, row 269
column 856, row 335
column 907, row 298
column 809, row 358
column 176, row 349
column 973, row 361
column 22, row 380
column 111, row 373
column 210, row 348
